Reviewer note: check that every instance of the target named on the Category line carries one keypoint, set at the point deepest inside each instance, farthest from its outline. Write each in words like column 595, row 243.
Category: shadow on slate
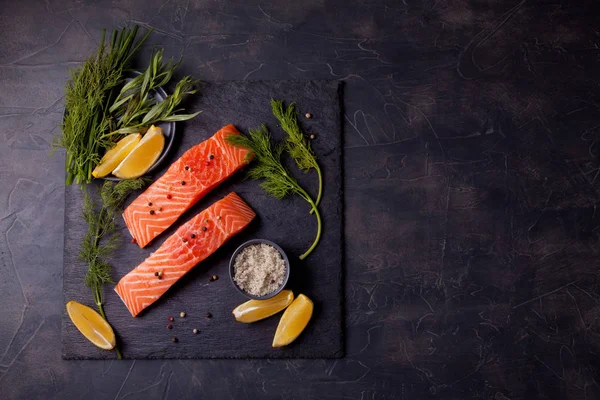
column 286, row 222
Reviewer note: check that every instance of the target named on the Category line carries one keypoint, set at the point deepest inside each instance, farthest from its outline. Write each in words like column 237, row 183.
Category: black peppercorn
column 183, row 182
column 151, row 212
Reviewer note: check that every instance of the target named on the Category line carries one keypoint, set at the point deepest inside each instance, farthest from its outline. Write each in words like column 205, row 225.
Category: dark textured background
column 471, row 165
column 286, row 222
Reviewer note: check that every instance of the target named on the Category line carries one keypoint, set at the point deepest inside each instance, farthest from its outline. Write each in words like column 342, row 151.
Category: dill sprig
column 87, row 98
column 276, row 180
column 296, row 143
column 101, row 238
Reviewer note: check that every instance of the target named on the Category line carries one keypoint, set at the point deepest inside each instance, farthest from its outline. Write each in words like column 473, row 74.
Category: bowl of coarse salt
column 259, row 269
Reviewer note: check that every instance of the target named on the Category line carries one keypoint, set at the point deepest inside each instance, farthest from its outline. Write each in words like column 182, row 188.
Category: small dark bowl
column 283, row 255
column 168, row 130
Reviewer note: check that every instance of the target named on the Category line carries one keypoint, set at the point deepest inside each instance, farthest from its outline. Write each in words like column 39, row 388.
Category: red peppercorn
column 133, row 240
column 169, row 197
column 169, row 326
column 207, row 163
column 171, row 319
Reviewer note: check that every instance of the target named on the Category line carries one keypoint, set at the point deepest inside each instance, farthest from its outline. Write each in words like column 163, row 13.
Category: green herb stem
column 296, row 143
column 100, row 240
column 276, row 180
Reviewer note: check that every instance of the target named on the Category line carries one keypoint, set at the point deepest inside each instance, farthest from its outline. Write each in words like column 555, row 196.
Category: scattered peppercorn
column 195, row 331
column 171, row 319
column 212, row 278
column 134, row 240
column 206, row 221
column 218, row 217
column 151, row 212
column 169, row 326
column 215, row 277
column 187, row 168
column 193, row 235
column 312, row 137
column 169, row 197
column 307, row 115
column 174, row 340
column 182, row 314
column 156, row 273
column 204, row 229
column 208, row 315
column 211, row 156
column 182, row 182
column 207, row 163
column 159, row 208
column 150, row 204
column 159, row 276
column 184, row 240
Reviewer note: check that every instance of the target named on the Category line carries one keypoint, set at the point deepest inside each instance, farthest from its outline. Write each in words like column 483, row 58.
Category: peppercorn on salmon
column 191, row 243
column 197, row 172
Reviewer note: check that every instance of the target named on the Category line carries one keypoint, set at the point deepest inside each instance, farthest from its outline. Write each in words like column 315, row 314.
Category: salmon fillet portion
column 197, row 172
column 182, row 251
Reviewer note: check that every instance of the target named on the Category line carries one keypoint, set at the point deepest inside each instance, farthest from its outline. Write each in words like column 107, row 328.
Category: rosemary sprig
column 296, row 143
column 87, row 98
column 135, row 109
column 101, row 238
column 276, row 180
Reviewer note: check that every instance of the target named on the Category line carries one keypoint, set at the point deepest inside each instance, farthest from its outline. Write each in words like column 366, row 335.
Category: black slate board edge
column 314, row 347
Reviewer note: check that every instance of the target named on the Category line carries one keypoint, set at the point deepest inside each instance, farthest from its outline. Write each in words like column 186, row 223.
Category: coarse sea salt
column 259, row 269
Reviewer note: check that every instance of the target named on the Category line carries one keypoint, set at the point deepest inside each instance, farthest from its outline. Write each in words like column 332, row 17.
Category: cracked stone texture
column 471, row 186
column 246, row 104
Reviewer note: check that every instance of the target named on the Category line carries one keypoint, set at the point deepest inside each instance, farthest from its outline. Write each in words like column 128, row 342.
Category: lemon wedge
column 91, row 325
column 143, row 156
column 114, row 156
column 255, row 310
column 293, row 321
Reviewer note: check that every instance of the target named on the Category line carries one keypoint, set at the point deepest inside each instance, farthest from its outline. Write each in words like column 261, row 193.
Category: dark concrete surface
column 471, row 164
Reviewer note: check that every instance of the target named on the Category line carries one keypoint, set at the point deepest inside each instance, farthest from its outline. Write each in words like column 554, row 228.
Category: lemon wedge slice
column 255, row 310
column 91, row 325
column 293, row 321
column 114, row 156
column 143, row 156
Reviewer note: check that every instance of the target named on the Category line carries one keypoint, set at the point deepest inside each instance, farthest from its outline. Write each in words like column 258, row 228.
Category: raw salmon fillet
column 197, row 172
column 189, row 245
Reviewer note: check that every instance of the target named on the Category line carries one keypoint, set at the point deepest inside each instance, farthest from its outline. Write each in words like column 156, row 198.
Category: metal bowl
column 283, row 255
column 168, row 129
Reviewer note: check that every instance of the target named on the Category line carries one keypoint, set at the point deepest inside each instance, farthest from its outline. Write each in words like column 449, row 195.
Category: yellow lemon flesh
column 293, row 321
column 255, row 310
column 143, row 156
column 114, row 156
column 91, row 325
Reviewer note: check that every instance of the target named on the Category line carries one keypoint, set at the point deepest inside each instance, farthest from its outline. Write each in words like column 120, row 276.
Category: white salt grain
column 259, row 269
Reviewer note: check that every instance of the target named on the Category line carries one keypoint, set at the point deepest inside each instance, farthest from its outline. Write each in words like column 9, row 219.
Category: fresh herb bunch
column 296, row 143
column 101, row 238
column 87, row 99
column 135, row 108
column 277, row 181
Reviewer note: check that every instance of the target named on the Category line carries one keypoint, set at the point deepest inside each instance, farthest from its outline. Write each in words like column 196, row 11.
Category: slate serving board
column 287, row 222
